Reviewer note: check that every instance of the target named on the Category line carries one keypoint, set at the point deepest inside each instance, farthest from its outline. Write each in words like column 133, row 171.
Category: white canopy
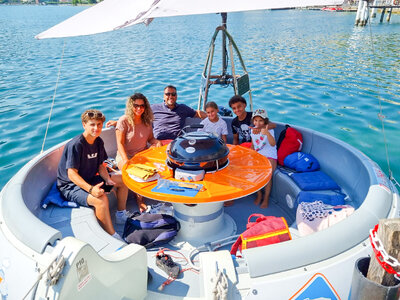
column 115, row 14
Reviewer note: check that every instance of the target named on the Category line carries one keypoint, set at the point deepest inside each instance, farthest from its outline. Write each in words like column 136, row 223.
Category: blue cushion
column 314, row 181
column 330, row 198
column 54, row 196
column 301, row 162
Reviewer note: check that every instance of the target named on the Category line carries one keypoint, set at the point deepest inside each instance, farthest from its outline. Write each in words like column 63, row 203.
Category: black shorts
column 74, row 193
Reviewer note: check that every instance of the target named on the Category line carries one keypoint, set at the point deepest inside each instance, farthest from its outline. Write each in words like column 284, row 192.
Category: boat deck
column 184, row 285
column 66, row 221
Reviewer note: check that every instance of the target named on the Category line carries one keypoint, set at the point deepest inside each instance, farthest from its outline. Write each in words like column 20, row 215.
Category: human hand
column 97, row 191
column 111, row 123
column 264, row 130
column 255, row 130
column 109, row 181
column 108, row 186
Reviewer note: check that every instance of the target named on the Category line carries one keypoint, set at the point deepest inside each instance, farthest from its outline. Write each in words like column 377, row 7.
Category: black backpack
column 150, row 230
column 281, row 136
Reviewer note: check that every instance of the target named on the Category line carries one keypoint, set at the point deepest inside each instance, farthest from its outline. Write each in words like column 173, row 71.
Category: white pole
column 359, row 9
column 373, row 12
column 365, row 14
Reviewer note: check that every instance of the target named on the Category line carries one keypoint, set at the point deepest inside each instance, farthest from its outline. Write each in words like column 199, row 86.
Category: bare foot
column 228, row 203
column 140, row 203
column 258, row 198
column 264, row 204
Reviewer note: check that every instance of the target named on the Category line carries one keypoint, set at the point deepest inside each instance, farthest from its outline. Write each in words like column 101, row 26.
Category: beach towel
column 316, row 216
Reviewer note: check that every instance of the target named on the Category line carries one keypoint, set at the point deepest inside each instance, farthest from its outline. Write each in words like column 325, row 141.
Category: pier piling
column 364, row 6
column 371, row 280
column 388, row 233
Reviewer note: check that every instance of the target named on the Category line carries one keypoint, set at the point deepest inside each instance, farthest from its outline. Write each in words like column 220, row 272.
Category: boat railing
column 22, row 196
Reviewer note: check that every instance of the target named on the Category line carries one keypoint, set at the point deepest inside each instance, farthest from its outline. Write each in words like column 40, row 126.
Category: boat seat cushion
column 327, row 197
column 54, row 196
column 301, row 162
column 314, row 181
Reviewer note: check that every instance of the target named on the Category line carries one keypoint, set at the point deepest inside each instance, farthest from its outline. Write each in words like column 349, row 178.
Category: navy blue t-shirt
column 79, row 154
column 168, row 122
column 242, row 128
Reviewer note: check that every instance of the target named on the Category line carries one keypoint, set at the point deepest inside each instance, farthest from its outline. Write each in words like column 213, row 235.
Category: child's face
column 239, row 108
column 93, row 127
column 258, row 122
column 212, row 113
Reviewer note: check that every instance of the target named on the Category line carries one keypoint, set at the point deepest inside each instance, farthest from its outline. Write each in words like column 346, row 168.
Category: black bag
column 281, row 136
column 150, row 230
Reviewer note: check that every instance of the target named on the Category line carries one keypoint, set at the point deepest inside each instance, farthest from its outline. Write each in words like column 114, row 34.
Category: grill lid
column 197, row 150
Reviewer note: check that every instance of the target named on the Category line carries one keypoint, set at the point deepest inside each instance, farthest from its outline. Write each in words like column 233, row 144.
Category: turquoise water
column 309, row 68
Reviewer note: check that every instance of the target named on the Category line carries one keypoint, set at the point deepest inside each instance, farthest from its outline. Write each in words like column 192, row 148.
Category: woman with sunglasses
column 134, row 132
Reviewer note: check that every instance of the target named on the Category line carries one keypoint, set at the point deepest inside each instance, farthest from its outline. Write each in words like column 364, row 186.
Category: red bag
column 292, row 142
column 265, row 230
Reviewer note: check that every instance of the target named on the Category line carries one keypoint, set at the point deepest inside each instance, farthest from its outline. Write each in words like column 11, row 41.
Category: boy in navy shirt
column 77, row 178
column 241, row 124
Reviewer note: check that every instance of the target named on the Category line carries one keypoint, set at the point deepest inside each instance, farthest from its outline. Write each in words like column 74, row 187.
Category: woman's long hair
column 147, row 116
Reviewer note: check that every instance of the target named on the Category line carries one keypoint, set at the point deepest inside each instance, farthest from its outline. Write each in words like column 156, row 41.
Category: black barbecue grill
column 197, row 151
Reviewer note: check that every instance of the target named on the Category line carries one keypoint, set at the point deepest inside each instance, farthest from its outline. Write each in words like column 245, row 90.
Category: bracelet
column 90, row 190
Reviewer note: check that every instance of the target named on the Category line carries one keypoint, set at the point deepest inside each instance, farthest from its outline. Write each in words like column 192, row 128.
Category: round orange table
column 246, row 173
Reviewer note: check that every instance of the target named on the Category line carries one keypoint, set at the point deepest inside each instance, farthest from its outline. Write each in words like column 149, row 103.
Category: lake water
column 308, row 68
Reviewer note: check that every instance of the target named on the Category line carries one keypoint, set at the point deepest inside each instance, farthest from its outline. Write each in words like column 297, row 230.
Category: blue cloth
column 314, row 181
column 55, row 197
column 168, row 122
column 301, row 162
column 331, row 198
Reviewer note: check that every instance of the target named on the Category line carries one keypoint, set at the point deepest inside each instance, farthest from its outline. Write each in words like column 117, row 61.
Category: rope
column 220, row 289
column 54, row 97
column 53, row 271
column 381, row 116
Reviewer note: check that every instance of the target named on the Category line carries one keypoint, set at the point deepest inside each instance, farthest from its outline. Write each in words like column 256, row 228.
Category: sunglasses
column 95, row 115
column 139, row 105
column 170, row 94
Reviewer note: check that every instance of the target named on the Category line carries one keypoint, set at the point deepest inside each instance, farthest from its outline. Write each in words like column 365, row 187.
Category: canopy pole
column 224, row 17
column 240, row 83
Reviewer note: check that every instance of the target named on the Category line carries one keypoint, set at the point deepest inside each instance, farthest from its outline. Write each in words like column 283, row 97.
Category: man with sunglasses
column 169, row 116
column 81, row 175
